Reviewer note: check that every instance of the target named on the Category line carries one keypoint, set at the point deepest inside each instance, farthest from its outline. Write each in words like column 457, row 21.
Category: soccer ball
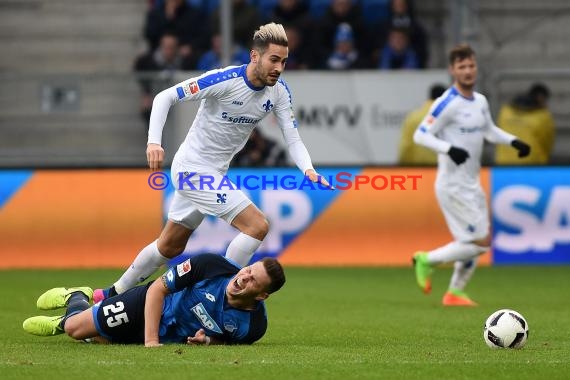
column 505, row 329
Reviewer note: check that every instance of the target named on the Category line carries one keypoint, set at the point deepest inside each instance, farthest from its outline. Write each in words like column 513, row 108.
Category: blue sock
column 109, row 292
column 76, row 303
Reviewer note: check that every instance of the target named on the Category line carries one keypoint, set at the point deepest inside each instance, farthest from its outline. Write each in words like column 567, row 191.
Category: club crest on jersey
column 183, row 268
column 267, row 106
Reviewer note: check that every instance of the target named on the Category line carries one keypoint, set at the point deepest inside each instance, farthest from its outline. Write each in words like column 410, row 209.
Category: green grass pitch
column 324, row 324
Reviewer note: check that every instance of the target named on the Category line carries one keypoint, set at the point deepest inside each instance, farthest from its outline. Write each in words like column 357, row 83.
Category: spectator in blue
column 340, row 11
column 402, row 16
column 397, row 53
column 212, row 59
column 345, row 55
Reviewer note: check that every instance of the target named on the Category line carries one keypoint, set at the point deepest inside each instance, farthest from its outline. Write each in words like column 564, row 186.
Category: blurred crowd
column 323, row 34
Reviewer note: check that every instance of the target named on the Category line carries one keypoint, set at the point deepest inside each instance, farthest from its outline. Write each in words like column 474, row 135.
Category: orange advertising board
column 102, row 218
column 376, row 227
column 79, row 218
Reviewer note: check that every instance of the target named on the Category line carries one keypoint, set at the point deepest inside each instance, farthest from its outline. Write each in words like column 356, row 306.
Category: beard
column 468, row 85
column 264, row 77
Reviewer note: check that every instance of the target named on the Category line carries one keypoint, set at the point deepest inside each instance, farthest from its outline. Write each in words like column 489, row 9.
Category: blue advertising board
column 531, row 215
column 288, row 199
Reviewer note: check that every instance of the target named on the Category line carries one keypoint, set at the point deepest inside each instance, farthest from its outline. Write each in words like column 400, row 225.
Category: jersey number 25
column 116, row 318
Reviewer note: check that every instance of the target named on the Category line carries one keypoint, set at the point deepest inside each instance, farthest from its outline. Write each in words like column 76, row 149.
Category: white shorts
column 465, row 211
column 194, row 197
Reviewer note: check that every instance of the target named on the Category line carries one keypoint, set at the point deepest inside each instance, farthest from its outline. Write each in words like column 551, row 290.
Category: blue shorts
column 120, row 319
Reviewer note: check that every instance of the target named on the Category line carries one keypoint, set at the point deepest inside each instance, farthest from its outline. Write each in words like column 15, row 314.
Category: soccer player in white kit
column 233, row 100
column 456, row 126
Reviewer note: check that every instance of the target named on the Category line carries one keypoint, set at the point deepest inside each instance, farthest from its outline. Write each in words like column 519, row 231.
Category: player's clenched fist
column 154, row 156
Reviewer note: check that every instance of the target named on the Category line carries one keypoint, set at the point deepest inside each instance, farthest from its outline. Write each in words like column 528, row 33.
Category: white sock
column 462, row 273
column 241, row 249
column 455, row 251
column 146, row 263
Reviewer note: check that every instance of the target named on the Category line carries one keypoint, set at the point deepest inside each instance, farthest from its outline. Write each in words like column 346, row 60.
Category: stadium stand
column 66, row 82
column 69, row 69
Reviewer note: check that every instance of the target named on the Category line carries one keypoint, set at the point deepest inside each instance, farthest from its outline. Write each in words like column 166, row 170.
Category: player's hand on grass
column 152, row 343
column 458, row 155
column 154, row 156
column 522, row 147
column 317, row 178
column 199, row 338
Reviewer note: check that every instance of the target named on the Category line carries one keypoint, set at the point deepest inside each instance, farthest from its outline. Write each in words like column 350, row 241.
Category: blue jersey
column 199, row 301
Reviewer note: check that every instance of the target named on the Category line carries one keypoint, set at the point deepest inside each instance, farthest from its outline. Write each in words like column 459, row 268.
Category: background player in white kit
column 456, row 127
column 233, row 100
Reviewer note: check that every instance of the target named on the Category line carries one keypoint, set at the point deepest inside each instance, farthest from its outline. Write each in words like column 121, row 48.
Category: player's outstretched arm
column 160, row 107
column 153, row 311
column 496, row 135
column 300, row 155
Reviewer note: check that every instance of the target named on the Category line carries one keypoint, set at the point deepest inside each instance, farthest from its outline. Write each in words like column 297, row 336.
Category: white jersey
column 230, row 108
column 454, row 120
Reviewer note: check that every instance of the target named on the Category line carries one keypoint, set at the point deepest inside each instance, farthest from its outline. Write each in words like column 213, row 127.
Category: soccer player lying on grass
column 204, row 300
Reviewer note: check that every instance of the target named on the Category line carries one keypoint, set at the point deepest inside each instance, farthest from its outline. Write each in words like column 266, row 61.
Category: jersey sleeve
column 210, row 84
column 284, row 107
column 257, row 326
column 196, row 269
column 493, row 133
column 436, row 119
column 286, row 120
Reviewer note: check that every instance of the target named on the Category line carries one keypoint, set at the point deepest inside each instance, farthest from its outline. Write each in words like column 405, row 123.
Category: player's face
column 464, row 72
column 269, row 65
column 250, row 282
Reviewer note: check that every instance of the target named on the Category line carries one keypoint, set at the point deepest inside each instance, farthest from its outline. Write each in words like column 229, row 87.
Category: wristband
column 207, row 340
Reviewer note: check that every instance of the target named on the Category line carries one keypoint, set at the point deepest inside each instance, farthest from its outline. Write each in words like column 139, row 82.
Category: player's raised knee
column 484, row 242
column 260, row 227
column 171, row 249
